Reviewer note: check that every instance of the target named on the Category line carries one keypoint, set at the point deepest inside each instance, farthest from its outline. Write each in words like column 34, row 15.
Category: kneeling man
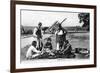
column 32, row 51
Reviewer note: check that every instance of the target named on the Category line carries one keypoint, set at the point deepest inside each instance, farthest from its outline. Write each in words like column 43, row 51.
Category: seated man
column 48, row 47
column 67, row 49
column 32, row 51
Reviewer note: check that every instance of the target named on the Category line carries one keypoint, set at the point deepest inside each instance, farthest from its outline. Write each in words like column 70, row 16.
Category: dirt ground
column 77, row 40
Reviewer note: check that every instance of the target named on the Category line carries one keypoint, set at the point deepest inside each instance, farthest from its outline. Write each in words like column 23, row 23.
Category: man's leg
column 35, row 55
column 39, row 43
column 57, row 46
column 51, row 53
column 28, row 57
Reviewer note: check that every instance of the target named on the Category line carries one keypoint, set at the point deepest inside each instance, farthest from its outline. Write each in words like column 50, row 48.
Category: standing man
column 38, row 34
column 60, row 37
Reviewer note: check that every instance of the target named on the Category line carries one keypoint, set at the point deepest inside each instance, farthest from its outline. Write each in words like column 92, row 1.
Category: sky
column 47, row 18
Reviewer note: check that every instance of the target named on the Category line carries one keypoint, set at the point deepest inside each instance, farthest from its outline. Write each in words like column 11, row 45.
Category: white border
column 59, row 62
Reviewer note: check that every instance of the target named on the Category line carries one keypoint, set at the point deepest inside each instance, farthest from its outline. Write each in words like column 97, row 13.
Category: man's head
column 49, row 40
column 40, row 24
column 34, row 43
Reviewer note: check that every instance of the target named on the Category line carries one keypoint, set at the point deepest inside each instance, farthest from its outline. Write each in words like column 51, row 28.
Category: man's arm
column 65, row 48
column 34, row 32
column 35, row 50
column 41, row 32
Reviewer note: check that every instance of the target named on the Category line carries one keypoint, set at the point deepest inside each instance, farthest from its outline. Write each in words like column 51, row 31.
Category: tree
column 85, row 18
column 45, row 28
column 22, row 30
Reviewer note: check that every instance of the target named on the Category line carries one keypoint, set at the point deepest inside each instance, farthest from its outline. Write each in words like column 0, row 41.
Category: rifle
column 63, row 20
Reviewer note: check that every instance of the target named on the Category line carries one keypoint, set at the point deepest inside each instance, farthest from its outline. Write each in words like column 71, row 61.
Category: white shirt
column 30, row 50
column 59, row 32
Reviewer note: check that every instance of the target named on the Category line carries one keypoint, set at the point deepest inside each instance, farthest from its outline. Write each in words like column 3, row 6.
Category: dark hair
column 40, row 24
column 49, row 39
column 34, row 43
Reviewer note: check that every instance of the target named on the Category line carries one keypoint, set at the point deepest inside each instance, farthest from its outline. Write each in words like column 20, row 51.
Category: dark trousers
column 39, row 44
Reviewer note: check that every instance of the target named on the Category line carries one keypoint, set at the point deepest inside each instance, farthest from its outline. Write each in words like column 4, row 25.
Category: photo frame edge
column 13, row 41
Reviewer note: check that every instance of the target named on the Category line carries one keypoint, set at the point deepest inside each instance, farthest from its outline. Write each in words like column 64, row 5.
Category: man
column 32, row 51
column 67, row 50
column 38, row 34
column 60, row 37
column 48, row 47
